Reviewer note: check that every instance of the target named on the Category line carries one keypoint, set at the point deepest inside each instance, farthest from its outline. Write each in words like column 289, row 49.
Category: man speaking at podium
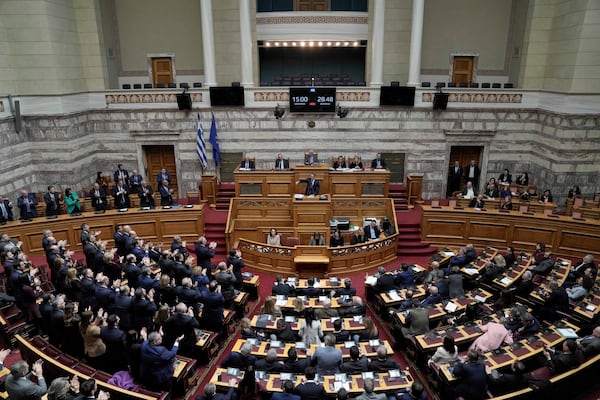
column 312, row 185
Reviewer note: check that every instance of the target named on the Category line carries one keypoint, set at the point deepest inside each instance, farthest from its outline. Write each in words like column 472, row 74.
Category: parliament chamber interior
column 299, row 199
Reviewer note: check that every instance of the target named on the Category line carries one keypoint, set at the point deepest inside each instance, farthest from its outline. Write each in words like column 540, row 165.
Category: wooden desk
column 221, row 379
column 563, row 235
column 348, row 324
column 308, row 265
column 341, row 183
column 153, row 225
column 383, row 383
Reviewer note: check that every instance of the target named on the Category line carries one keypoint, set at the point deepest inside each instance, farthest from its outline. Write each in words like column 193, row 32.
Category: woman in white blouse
column 447, row 352
column 273, row 238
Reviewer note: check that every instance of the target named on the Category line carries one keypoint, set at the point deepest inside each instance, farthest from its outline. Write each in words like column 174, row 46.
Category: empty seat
column 147, row 86
column 160, row 85
column 197, row 84
column 126, row 86
column 38, row 342
column 52, row 351
column 66, row 360
column 474, row 85
column 425, row 84
column 508, row 86
column 84, row 369
column 463, row 84
column 137, row 85
column 485, row 85
column 395, row 83
column 496, row 85
column 451, row 84
column 184, row 85
column 102, row 376
column 361, row 83
column 171, row 85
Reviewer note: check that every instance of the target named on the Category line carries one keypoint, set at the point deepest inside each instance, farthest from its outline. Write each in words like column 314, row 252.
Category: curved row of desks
column 563, row 235
column 155, row 225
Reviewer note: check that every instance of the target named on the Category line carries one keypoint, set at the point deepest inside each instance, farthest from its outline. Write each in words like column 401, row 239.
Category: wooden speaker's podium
column 312, row 261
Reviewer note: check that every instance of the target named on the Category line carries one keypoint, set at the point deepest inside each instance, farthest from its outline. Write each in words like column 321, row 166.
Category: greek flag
column 201, row 145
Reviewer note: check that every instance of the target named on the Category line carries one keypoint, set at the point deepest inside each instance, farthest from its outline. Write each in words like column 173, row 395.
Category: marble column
column 377, row 35
column 208, row 43
column 416, row 41
column 246, row 44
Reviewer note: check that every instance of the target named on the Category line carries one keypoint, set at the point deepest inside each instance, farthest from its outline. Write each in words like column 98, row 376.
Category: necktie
column 27, row 206
column 281, row 164
column 4, row 213
column 378, row 163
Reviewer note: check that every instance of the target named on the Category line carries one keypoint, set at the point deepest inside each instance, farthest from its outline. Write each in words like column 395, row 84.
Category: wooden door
column 158, row 157
column 162, row 71
column 462, row 70
column 312, row 5
column 464, row 155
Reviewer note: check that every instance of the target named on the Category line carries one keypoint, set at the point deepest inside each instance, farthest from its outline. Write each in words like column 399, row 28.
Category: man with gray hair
column 368, row 386
column 327, row 311
column 210, row 392
column 328, row 359
column 269, row 364
column 242, row 359
column 19, row 384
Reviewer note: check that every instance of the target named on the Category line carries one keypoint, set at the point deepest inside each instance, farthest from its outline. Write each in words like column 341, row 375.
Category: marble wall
column 556, row 150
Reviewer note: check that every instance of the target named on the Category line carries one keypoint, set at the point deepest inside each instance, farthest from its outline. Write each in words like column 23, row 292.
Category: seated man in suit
column 312, row 185
column 378, row 162
column 282, row 288
column 368, row 386
column 561, row 361
column 311, row 158
column 469, row 191
column 98, row 196
column 358, row 362
column 210, row 392
column 372, row 231
column 590, row 345
column 247, row 163
column 281, row 163
column 477, row 202
column 383, row 362
column 340, row 163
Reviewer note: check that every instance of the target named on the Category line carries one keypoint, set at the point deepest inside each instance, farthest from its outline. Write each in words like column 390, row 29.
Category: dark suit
column 475, row 203
column 166, row 199
column 476, row 173
column 121, row 174
column 218, row 396
column 52, row 203
column 27, row 206
column 297, row 366
column 473, row 381
column 369, row 234
column 6, row 214
column 212, row 313
column 590, row 346
column 560, row 362
column 312, row 186
column 204, row 255
column 309, row 390
column 385, row 283
column 116, row 355
column 356, row 366
column 247, row 164
column 161, row 177
column 121, row 197
column 285, row 396
column 181, row 324
column 378, row 163
column 145, row 194
column 98, row 199
column 454, row 179
column 156, row 366
column 282, row 289
column 282, row 164
column 379, row 365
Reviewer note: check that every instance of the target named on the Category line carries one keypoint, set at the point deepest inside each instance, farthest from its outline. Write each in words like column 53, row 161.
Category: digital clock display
column 312, row 99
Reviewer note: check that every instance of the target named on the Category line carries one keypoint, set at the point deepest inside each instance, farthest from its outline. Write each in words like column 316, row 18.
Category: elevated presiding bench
column 563, row 235
column 153, row 225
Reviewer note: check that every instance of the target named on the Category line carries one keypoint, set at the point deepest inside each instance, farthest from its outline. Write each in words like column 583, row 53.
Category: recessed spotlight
column 284, row 44
column 320, row 44
column 337, row 44
column 346, row 44
column 302, row 43
column 268, row 44
column 356, row 44
column 294, row 44
column 276, row 44
column 311, row 43
column 328, row 43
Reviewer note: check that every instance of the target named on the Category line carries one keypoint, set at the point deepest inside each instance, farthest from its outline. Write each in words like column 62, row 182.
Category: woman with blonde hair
column 369, row 332
column 269, row 307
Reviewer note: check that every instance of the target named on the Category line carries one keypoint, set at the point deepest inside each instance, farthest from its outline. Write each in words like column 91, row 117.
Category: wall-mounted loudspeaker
column 184, row 101
column 440, row 101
